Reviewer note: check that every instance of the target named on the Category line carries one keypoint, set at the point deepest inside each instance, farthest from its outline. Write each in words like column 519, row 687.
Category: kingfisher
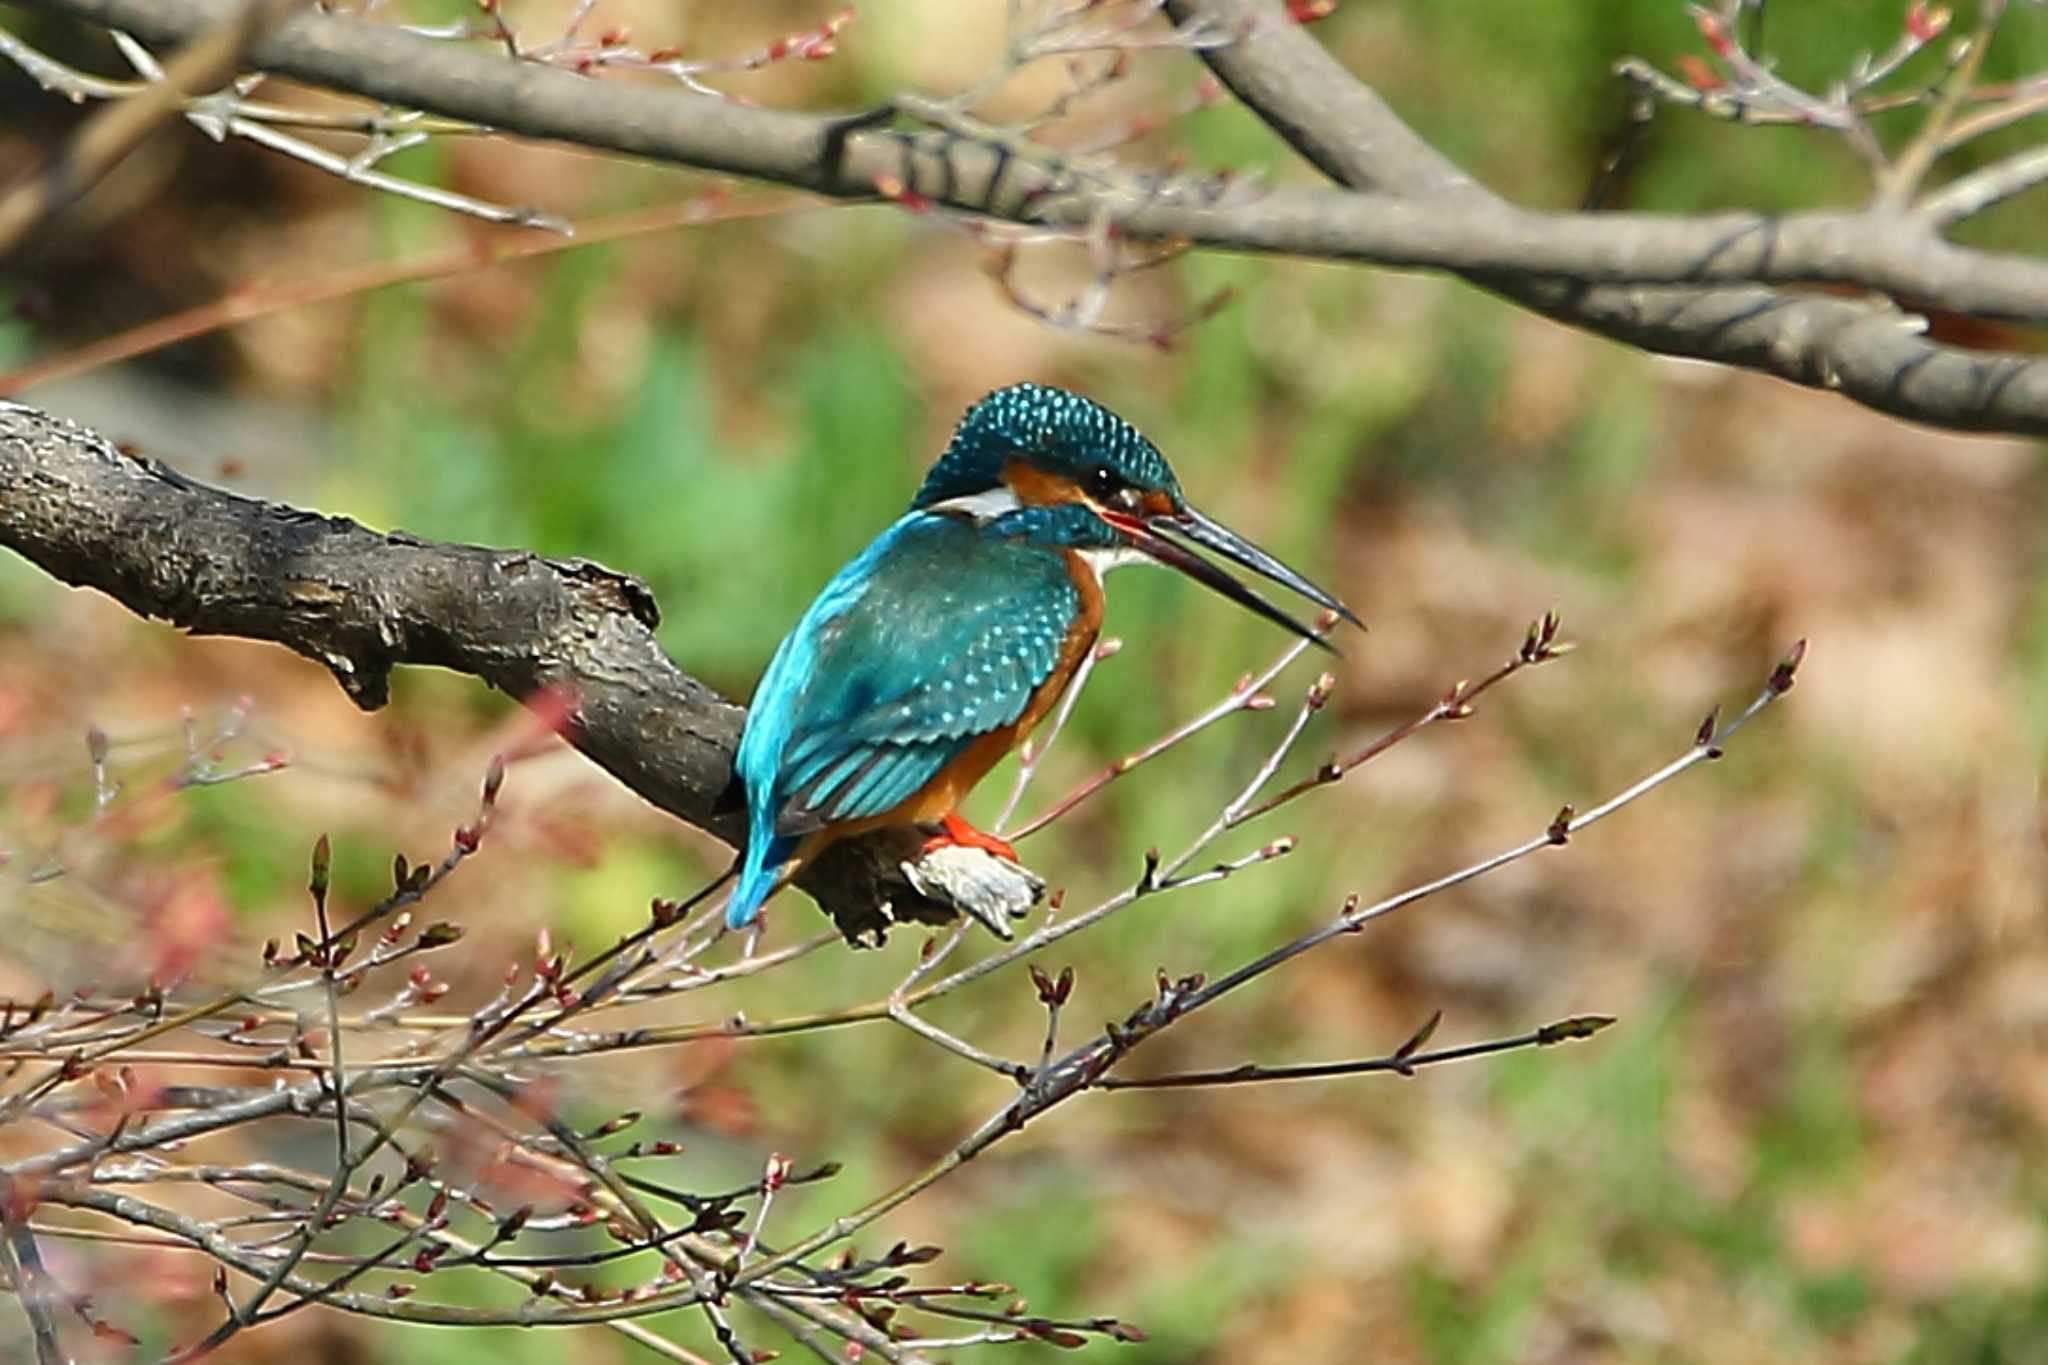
column 939, row 647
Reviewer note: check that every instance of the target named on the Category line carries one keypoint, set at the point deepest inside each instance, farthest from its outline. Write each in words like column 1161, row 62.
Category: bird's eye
column 1110, row 489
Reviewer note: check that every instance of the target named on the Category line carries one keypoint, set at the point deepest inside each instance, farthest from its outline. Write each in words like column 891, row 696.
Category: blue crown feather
column 1062, row 433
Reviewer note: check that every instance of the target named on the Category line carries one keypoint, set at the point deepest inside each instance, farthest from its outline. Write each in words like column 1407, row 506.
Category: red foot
column 958, row 831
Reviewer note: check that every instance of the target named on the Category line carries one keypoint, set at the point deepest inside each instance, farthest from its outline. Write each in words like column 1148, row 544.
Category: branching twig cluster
column 1727, row 287
column 1956, row 108
column 457, row 1148
column 233, row 111
column 575, row 49
column 1096, row 45
column 207, row 753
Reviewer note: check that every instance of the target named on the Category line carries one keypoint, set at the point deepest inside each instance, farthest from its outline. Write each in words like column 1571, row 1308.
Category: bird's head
column 1030, row 445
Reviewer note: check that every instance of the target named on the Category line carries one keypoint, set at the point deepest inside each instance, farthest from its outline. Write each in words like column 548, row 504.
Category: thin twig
column 1978, row 191
column 31, row 1281
column 1920, row 154
column 1401, row 1063
column 1247, row 695
column 109, row 136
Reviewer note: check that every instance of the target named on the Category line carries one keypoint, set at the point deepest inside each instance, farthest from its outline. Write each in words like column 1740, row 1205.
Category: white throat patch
column 984, row 507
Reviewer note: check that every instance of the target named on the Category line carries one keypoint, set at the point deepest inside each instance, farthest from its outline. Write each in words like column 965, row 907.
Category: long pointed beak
column 1193, row 526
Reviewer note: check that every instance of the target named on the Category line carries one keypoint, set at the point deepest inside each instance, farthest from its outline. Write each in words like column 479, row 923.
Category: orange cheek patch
column 1157, row 504
column 1036, row 488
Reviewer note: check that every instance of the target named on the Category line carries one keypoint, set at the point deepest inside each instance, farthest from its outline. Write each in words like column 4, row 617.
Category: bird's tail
column 760, row 873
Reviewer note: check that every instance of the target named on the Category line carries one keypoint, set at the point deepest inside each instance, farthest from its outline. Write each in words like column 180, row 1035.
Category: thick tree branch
column 1633, row 277
column 361, row 602
column 1869, row 351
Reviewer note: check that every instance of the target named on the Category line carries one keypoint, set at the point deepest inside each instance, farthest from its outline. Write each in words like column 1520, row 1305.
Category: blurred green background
column 1816, row 1133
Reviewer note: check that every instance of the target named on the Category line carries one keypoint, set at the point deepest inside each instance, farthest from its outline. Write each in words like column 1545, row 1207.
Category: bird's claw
column 955, row 830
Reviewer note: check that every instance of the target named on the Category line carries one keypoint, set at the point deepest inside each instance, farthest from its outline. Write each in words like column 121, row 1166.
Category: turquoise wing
column 950, row 633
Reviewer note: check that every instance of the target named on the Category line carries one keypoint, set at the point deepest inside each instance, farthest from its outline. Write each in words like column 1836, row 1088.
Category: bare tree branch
column 570, row 632
column 2001, row 180
column 1869, row 351
column 1633, row 277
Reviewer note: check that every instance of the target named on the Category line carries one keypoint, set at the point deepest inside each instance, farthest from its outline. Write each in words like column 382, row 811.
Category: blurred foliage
column 1818, row 1132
